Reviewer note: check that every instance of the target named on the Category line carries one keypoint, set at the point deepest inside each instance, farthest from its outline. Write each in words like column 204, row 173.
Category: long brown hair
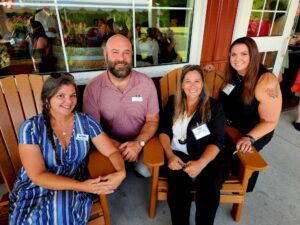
column 181, row 100
column 252, row 75
column 50, row 88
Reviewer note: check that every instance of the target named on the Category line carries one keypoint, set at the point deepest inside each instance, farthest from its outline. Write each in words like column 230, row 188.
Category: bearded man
column 124, row 102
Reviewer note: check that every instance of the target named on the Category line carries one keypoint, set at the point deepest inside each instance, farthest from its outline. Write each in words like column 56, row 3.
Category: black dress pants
column 207, row 185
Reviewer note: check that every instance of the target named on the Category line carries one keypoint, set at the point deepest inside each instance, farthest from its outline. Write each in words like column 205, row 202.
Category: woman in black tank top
column 251, row 97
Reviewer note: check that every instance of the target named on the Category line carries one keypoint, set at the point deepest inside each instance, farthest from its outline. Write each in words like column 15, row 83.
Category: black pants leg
column 208, row 185
column 179, row 197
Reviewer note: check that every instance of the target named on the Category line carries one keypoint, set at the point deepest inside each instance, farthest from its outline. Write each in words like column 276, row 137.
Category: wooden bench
column 234, row 189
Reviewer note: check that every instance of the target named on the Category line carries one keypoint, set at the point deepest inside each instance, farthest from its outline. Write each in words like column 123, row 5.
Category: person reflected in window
column 192, row 133
column 251, row 99
column 138, row 30
column 110, row 29
column 49, row 22
column 147, row 48
column 167, row 52
column 41, row 48
column 53, row 185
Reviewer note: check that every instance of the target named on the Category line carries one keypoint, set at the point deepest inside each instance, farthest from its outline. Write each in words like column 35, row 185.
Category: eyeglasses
column 58, row 75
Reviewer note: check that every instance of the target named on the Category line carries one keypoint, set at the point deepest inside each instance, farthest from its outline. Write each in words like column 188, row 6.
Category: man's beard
column 121, row 74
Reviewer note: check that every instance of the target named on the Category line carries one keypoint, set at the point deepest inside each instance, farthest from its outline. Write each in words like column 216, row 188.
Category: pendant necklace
column 183, row 140
column 238, row 77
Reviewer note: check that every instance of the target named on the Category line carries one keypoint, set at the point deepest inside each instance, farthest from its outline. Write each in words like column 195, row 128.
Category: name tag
column 201, row 131
column 82, row 137
column 228, row 89
column 137, row 99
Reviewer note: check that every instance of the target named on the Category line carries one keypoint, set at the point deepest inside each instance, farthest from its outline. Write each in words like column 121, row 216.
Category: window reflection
column 36, row 39
column 166, row 33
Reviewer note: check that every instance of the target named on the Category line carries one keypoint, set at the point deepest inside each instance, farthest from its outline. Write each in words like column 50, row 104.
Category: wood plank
column 232, row 198
column 37, row 82
column 26, row 97
column 13, row 102
column 254, row 160
column 153, row 153
column 99, row 165
column 236, row 188
column 9, row 147
column 164, row 91
column 6, row 167
column 172, row 81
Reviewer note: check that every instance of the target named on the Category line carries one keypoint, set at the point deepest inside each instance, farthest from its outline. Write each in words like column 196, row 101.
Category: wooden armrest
column 254, row 160
column 99, row 165
column 153, row 153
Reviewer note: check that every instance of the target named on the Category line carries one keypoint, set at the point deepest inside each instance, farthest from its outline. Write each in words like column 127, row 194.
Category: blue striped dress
column 32, row 204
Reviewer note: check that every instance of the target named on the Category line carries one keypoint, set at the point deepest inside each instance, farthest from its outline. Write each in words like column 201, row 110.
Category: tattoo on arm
column 272, row 92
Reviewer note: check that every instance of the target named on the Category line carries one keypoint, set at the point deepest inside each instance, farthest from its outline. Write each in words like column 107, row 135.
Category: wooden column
column 219, row 24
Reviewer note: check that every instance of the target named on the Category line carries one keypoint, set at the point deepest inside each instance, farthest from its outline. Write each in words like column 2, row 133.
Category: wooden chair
column 234, row 189
column 20, row 100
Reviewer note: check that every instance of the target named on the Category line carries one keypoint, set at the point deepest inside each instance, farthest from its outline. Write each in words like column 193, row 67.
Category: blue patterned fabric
column 32, row 204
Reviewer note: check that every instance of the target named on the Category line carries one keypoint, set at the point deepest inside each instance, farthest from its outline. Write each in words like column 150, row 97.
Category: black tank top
column 242, row 116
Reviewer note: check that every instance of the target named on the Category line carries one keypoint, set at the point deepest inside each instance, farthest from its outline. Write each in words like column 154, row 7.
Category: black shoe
column 297, row 126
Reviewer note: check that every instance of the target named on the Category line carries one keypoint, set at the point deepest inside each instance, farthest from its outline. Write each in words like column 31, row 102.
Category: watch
column 142, row 143
column 252, row 139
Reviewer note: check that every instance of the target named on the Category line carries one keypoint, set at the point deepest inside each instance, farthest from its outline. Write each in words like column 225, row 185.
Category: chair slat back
column 168, row 84
column 8, row 146
column 18, row 102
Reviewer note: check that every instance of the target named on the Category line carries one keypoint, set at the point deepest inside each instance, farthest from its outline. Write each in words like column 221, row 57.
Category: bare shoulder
column 268, row 85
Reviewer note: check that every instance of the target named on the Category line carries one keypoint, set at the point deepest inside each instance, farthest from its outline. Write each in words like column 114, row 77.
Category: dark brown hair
column 50, row 88
column 252, row 75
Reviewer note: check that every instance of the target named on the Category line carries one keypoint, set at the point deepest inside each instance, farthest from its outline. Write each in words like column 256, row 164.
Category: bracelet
column 252, row 139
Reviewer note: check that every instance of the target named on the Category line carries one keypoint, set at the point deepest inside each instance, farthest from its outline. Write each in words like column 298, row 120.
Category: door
column 269, row 23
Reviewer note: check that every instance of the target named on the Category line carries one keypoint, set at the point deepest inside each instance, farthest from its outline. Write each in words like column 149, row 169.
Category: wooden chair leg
column 153, row 197
column 105, row 209
column 236, row 211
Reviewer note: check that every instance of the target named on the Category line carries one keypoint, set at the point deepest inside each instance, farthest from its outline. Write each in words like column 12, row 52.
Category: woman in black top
column 251, row 97
column 192, row 135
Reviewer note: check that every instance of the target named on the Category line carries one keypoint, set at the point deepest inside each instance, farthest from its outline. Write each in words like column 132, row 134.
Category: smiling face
column 64, row 101
column 192, row 85
column 118, row 56
column 240, row 58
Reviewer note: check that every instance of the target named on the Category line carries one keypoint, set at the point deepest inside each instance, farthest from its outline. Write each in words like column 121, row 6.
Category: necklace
column 183, row 129
column 64, row 134
column 238, row 77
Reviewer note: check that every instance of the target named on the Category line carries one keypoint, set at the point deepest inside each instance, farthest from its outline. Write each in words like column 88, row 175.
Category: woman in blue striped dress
column 53, row 186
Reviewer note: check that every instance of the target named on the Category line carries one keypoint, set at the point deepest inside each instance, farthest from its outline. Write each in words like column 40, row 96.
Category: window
column 44, row 36
column 267, row 18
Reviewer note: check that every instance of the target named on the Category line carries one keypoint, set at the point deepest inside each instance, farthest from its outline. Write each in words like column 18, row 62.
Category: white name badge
column 228, row 89
column 137, row 99
column 201, row 131
column 82, row 137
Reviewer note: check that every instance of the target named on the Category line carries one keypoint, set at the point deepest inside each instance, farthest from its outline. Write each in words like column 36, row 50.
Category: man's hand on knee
column 130, row 150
